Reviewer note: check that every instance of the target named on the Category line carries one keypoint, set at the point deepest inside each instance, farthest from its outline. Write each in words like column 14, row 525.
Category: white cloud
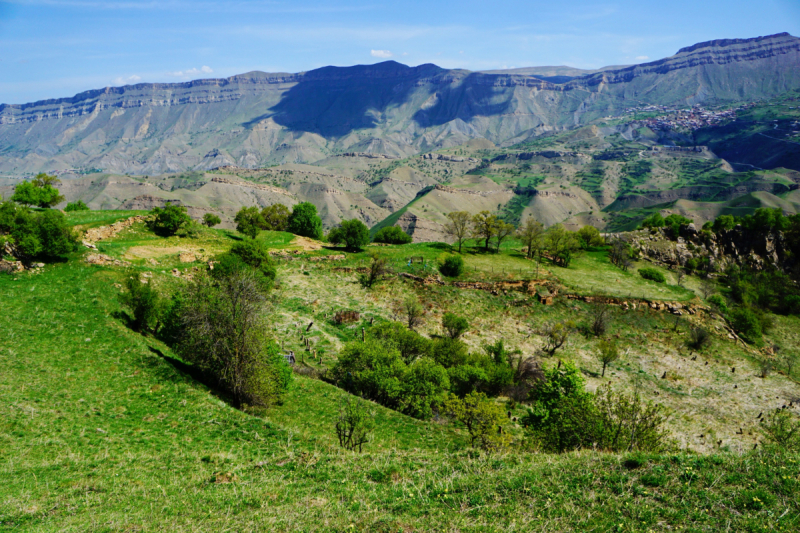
column 385, row 54
column 126, row 81
column 642, row 58
column 191, row 72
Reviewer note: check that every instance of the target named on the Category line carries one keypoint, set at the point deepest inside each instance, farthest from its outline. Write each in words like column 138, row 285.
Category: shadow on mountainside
column 335, row 101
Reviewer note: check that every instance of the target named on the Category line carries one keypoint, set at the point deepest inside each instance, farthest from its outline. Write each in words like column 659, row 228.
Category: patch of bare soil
column 306, row 244
column 186, row 253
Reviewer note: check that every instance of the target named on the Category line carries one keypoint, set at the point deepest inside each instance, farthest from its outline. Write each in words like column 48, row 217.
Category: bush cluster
column 353, row 234
column 392, row 235
column 41, row 236
column 652, row 274
column 451, row 265
column 405, row 371
column 563, row 417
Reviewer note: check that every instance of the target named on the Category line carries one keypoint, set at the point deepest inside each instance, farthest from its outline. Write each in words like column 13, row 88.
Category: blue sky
column 57, row 48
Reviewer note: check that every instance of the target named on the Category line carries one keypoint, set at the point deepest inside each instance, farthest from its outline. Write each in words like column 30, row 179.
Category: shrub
column 410, row 344
column 143, row 302
column 723, row 223
column 483, row 419
column 782, row 429
column 211, row 220
column 76, row 206
column 653, row 221
column 452, row 266
column 167, row 221
column 454, row 325
column 223, row 334
column 600, row 315
column 413, row 311
column 353, row 234
column 699, row 338
column 556, row 335
column 719, row 303
column 629, row 423
column 746, row 323
column 247, row 256
column 674, row 222
column 304, row 221
column 652, row 274
column 37, row 236
column 392, row 235
column 354, row 425
column 375, row 273
column 607, row 352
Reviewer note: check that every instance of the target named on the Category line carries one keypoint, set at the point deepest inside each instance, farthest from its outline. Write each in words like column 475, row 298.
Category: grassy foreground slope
column 103, row 431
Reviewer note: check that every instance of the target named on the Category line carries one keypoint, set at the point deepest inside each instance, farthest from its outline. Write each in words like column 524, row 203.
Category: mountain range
column 260, row 119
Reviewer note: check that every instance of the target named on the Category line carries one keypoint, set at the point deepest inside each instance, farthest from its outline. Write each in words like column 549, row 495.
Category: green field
column 106, row 430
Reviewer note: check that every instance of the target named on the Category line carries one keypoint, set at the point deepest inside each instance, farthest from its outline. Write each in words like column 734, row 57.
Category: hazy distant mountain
column 257, row 119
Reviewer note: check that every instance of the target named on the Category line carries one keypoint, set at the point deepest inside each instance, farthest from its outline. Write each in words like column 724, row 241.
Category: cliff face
column 737, row 246
column 256, row 119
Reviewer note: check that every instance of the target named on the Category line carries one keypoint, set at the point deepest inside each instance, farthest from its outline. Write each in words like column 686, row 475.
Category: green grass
column 593, row 273
column 103, row 431
column 393, row 430
column 93, row 219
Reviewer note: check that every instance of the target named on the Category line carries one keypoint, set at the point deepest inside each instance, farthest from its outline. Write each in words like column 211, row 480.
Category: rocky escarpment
column 737, row 246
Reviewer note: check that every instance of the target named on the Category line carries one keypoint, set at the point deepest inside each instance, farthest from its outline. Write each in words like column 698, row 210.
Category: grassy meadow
column 106, row 430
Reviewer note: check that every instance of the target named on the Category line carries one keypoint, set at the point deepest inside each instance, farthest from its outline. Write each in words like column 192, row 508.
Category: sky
column 58, row 48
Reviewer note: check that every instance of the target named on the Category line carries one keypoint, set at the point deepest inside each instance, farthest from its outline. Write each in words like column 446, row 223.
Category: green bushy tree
column 304, row 221
column 454, row 325
column 76, row 206
column 40, row 191
column 353, row 234
column 45, row 236
column 144, row 303
column 451, row 265
column 653, row 274
column 210, row 220
column 355, row 424
column 392, row 235
column 249, row 221
column 590, row 237
column 483, row 419
column 168, row 221
column 276, row 217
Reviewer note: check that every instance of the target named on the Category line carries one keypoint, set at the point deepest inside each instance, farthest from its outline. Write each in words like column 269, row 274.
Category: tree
column 653, row 221
column 590, row 237
column 484, row 227
column 249, row 221
column 44, row 236
column 211, row 220
column 531, row 234
column 276, row 217
column 223, row 323
column 620, row 255
column 707, row 288
column 600, row 316
column 355, row 423
column 502, row 231
column 482, row 418
column 628, row 423
column 607, row 352
column 458, row 226
column 454, row 325
column 76, row 206
column 561, row 244
column 724, row 223
column 352, row 233
column 789, row 360
column 167, row 221
column 40, row 191
column 375, row 273
column 556, row 335
column 304, row 221
column 413, row 311
column 392, row 235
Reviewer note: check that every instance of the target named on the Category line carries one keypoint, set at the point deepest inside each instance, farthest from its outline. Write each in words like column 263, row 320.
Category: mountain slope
column 257, row 119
